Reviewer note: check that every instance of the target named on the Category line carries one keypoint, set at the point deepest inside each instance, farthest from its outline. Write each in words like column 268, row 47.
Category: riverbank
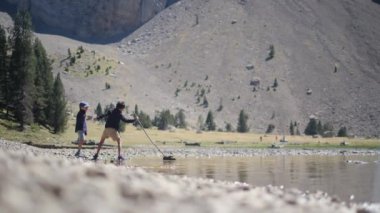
column 46, row 180
column 179, row 138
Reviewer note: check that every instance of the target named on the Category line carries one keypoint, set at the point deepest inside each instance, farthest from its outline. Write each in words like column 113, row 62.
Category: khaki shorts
column 111, row 133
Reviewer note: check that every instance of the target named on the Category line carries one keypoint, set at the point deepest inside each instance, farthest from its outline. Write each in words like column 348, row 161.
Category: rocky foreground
column 43, row 180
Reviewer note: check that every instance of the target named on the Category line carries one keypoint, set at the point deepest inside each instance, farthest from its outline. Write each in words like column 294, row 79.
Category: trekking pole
column 164, row 156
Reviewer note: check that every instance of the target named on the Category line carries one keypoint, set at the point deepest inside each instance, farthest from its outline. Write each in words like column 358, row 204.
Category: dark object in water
column 170, row 157
column 164, row 156
column 192, row 144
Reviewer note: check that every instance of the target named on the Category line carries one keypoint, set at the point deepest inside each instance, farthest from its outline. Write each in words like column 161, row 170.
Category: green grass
column 134, row 137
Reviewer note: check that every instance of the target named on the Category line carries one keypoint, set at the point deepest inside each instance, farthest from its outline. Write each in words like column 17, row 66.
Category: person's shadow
column 376, row 1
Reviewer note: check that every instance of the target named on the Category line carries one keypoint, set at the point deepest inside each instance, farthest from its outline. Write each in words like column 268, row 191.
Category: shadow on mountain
column 44, row 29
column 376, row 1
column 39, row 27
column 8, row 8
column 170, row 2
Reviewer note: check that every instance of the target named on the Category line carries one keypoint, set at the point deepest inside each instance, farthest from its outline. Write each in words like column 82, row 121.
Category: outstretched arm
column 103, row 116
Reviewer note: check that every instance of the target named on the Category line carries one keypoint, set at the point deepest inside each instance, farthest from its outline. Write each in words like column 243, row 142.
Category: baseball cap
column 83, row 104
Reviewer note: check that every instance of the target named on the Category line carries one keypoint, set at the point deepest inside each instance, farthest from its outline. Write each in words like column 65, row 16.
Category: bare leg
column 80, row 144
column 100, row 145
column 118, row 146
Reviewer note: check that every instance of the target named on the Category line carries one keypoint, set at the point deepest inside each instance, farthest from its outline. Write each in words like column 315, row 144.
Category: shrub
column 342, row 132
column 242, row 122
column 177, row 92
column 220, row 108
column 228, row 127
column 180, row 119
column 72, row 60
column 291, row 128
column 275, row 83
column 270, row 128
column 98, row 110
column 205, row 102
column 311, row 128
column 108, row 86
column 200, row 122
column 145, row 120
column 164, row 119
column 210, row 124
column 203, row 91
column 80, row 49
column 270, row 53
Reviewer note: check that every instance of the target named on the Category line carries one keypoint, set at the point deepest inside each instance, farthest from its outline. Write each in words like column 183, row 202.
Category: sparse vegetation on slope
column 85, row 63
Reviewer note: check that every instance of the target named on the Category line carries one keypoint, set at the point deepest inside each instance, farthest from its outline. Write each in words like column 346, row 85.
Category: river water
column 355, row 177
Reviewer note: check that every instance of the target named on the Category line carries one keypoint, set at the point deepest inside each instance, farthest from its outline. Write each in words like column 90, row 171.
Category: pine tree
column 319, row 128
column 3, row 69
column 109, row 108
column 43, row 83
column 270, row 53
column 328, row 127
column 342, row 132
column 228, row 127
column 205, row 102
column 270, row 128
column 136, row 110
column 275, row 83
column 210, row 124
column 22, row 70
column 99, row 110
column 145, row 120
column 311, row 128
column 200, row 122
column 165, row 119
column 59, row 117
column 180, row 119
column 242, row 125
column 291, row 128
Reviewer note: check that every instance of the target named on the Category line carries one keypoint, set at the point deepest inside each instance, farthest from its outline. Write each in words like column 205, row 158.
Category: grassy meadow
column 134, row 137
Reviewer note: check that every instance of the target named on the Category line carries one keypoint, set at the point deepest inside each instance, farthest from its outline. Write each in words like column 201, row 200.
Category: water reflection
column 336, row 175
column 242, row 172
column 210, row 172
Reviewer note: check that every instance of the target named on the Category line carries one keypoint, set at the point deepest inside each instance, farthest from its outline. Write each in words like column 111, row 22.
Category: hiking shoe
column 120, row 157
column 95, row 157
column 77, row 154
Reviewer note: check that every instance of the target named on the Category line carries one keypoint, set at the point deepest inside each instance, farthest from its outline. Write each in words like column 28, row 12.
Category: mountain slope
column 329, row 48
column 326, row 62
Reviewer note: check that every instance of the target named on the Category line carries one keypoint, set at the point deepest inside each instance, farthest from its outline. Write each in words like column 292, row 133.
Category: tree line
column 164, row 119
column 29, row 93
column 315, row 127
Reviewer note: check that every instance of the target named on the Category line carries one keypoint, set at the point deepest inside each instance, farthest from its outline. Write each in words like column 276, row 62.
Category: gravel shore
column 46, row 180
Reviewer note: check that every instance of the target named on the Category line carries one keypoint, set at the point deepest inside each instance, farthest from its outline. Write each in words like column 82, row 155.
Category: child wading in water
column 112, row 128
column 81, row 126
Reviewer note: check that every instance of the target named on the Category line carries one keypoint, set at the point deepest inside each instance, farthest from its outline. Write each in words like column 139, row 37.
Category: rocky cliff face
column 91, row 19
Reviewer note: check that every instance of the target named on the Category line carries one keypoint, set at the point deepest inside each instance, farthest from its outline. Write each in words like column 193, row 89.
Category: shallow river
column 354, row 178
